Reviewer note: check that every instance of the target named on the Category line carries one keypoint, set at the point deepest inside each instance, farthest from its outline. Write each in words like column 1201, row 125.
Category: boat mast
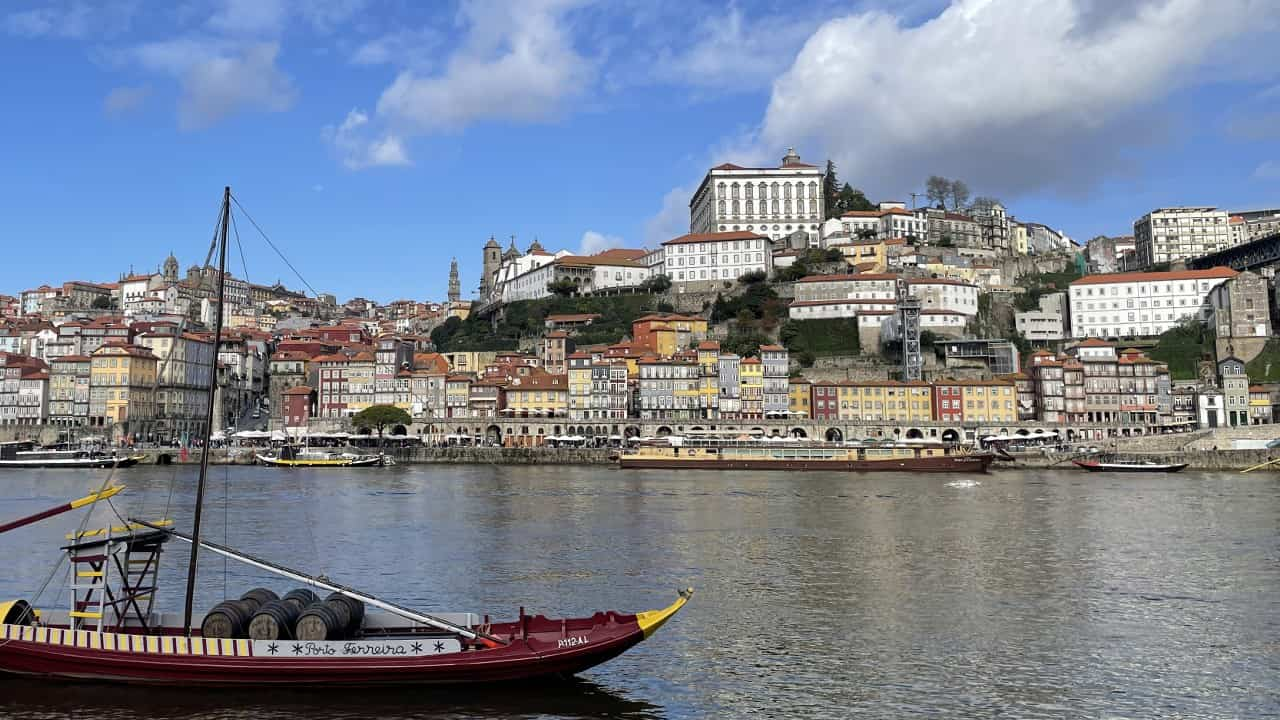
column 208, row 425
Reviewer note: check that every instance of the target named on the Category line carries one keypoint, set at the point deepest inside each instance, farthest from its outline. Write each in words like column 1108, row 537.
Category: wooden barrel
column 274, row 621
column 228, row 619
column 260, row 596
column 301, row 597
column 16, row 612
column 320, row 622
column 355, row 610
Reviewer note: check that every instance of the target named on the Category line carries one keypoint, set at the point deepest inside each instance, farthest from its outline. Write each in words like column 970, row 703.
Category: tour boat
column 1129, row 467
column 676, row 452
column 289, row 457
column 23, row 454
column 111, row 631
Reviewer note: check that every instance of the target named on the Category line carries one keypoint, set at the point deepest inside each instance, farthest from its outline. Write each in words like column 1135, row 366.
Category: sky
column 374, row 140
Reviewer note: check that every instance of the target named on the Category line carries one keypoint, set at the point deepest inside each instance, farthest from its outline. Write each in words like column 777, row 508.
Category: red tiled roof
column 772, row 348
column 709, row 345
column 572, row 317
column 817, row 303
column 1095, row 342
column 1209, row 274
column 714, row 237
column 298, row 390
column 847, row 277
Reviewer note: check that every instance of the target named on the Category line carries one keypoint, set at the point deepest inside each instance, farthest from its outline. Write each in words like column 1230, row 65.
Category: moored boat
column 24, row 454
column 1129, row 467
column 314, row 458
column 677, row 452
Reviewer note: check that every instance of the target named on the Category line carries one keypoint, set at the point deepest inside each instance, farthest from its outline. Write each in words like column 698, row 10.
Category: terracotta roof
column 594, row 260
column 1258, row 388
column 1095, row 342
column 751, row 361
column 290, row 355
column 847, row 277
column 540, row 381
column 728, row 166
column 709, row 345
column 71, row 358
column 940, row 281
column 667, row 317
column 298, row 390
column 364, row 356
column 958, row 216
column 1209, row 274
column 459, row 377
column 815, row 303
column 572, row 317
column 714, row 237
column 772, row 348
column 557, row 334
column 333, row 357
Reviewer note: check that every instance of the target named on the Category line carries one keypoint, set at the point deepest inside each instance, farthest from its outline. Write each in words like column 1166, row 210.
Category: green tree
column 564, row 287
column 959, row 194
column 656, row 284
column 851, row 199
column 378, row 417
column 985, row 202
column 102, row 302
column 831, row 192
column 753, row 277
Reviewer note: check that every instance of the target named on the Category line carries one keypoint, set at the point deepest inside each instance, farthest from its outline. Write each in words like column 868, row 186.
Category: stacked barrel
column 300, row 615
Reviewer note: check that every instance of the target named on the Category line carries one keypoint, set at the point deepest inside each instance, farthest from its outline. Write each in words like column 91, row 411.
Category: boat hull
column 343, row 462
column 542, row 652
column 73, row 463
column 1129, row 468
column 975, row 463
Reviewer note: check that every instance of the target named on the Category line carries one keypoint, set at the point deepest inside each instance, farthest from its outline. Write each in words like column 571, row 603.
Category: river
column 1046, row 594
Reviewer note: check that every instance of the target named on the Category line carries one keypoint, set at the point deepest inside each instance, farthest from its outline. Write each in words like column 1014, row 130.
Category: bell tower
column 455, row 288
column 492, row 260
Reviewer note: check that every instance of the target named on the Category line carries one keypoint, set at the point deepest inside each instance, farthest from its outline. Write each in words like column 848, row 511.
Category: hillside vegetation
column 527, row 319
column 1182, row 348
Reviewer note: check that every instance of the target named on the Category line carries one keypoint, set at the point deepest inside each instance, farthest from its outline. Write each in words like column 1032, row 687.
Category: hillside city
column 793, row 305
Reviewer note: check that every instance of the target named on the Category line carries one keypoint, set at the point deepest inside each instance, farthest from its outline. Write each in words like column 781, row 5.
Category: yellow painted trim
column 153, row 644
column 90, row 573
column 116, row 529
column 109, row 642
column 95, row 497
column 197, row 646
column 85, row 614
column 226, row 646
column 95, row 641
column 42, row 635
column 651, row 620
column 181, row 647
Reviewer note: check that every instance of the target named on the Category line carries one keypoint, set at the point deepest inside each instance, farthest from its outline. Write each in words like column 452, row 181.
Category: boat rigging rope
column 273, row 245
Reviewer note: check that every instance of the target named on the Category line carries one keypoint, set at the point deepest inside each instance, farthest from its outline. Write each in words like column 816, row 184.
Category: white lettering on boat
column 406, row 647
column 572, row 642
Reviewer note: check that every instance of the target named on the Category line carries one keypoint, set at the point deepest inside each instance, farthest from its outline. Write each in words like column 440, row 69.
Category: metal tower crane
column 909, row 323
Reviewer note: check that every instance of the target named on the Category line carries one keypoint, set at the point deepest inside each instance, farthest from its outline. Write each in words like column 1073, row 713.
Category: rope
column 273, row 245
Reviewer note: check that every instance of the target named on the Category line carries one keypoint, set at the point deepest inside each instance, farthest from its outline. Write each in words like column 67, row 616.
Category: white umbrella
column 278, row 436
column 218, row 436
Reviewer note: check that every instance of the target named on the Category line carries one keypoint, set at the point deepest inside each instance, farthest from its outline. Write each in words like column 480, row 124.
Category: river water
column 1035, row 594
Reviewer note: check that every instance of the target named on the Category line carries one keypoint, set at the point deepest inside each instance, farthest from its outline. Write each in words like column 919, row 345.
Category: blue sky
column 375, row 140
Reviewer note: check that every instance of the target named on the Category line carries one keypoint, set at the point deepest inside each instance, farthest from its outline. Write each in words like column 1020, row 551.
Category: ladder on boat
column 115, row 573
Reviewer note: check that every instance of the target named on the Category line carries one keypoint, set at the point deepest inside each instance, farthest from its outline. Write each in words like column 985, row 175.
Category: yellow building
column 886, row 401
column 1018, row 238
column 988, row 401
column 709, row 378
column 870, row 255
column 951, row 272
column 799, row 397
column 472, row 361
column 360, row 382
column 122, row 385
column 538, row 394
column 579, row 385
column 751, row 387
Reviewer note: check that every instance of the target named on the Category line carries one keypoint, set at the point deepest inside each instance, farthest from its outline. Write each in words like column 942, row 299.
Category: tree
column 656, row 284
column 985, row 202
column 851, row 199
column 831, row 192
column 102, row 302
column 866, row 234
column 378, row 417
column 564, row 287
column 937, row 189
column 959, row 194
column 755, row 276
column 441, row 336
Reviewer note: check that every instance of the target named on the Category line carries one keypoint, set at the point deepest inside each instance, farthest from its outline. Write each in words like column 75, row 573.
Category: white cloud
column 594, row 242
column 1268, row 170
column 407, row 48
column 671, row 221
column 74, row 19
column 122, row 100
column 1012, row 96
column 517, row 63
column 731, row 52
column 253, row 17
column 357, row 148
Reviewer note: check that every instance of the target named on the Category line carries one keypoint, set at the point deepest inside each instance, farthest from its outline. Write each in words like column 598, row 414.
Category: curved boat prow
column 649, row 621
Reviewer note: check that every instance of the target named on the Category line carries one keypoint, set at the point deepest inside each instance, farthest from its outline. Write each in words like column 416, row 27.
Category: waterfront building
column 799, row 398
column 427, row 385
column 183, row 364
column 122, row 387
column 669, row 388
column 1240, row 314
column 1137, row 381
column 457, row 396
column 751, row 387
column 297, row 407
column 69, row 390
column 988, row 401
column 24, row 390
column 1048, row 381
column 825, row 404
column 486, row 397
column 882, row 401
column 287, row 369
column 333, row 386
column 948, row 402
column 729, row 387
column 703, row 261
column 1139, row 304
column 538, row 394
column 392, row 361
column 708, row 354
column 775, row 202
column 1179, row 233
column 777, row 368
column 556, row 346
column 1234, row 382
column 1260, row 412
column 580, row 385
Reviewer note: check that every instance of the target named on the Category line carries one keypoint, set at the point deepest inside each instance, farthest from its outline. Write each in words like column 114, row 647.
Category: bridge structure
column 1255, row 254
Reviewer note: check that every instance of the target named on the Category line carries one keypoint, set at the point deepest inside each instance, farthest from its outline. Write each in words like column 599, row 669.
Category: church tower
column 455, row 288
column 489, row 267
column 171, row 270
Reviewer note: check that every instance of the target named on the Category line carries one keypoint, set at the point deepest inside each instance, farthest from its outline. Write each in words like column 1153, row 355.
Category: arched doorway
column 664, row 431
column 914, row 434
column 631, row 431
column 399, row 430
column 798, row 433
column 493, row 435
column 950, row 435
column 834, row 435
column 1023, row 432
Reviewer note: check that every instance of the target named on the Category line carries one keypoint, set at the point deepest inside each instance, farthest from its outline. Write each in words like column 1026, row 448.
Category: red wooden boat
column 111, row 631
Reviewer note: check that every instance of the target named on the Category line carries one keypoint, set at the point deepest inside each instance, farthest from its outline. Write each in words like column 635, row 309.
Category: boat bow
column 650, row 620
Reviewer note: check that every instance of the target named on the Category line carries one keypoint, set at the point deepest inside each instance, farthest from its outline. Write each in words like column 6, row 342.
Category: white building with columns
column 773, row 202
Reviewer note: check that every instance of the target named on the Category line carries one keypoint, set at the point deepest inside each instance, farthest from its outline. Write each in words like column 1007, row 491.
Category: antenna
column 914, row 195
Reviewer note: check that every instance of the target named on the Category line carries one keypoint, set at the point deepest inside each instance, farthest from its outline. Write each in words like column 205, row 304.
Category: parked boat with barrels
column 24, row 454
column 112, row 631
column 746, row 453
column 290, row 456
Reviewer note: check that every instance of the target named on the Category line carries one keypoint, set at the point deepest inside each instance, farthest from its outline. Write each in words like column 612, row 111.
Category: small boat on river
column 290, row 456
column 694, row 453
column 24, row 454
column 1132, row 466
